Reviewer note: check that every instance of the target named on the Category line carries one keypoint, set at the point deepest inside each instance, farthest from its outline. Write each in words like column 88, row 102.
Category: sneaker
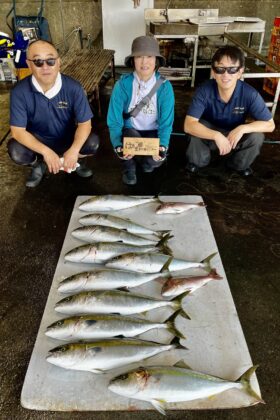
column 84, row 171
column 147, row 169
column 192, row 168
column 129, row 178
column 246, row 172
column 36, row 174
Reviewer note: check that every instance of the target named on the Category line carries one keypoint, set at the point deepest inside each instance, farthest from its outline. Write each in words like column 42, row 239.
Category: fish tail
column 207, row 260
column 245, row 381
column 170, row 322
column 162, row 244
column 166, row 265
column 161, row 233
column 178, row 304
column 176, row 342
column 213, row 273
column 201, row 204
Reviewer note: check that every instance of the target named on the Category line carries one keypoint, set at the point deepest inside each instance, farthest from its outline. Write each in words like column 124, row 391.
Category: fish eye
column 59, row 323
column 63, row 349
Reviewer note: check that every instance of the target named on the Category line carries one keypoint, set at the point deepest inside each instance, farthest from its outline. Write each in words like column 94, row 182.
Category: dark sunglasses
column 229, row 70
column 39, row 62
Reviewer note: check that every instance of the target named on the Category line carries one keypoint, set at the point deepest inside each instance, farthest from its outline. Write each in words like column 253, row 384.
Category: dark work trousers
column 24, row 156
column 240, row 158
column 144, row 161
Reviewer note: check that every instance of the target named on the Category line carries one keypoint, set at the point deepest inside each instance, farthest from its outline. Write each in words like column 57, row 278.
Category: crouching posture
column 50, row 118
column 217, row 117
column 130, row 116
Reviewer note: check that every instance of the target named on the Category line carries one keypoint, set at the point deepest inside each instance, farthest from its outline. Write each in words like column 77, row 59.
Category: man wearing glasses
column 50, row 118
column 217, row 117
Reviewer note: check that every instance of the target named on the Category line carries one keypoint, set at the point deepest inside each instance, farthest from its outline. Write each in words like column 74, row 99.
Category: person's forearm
column 82, row 132
column 28, row 140
column 258, row 127
column 195, row 128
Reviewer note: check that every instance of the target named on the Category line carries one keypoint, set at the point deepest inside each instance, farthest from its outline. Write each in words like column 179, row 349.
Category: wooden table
column 88, row 67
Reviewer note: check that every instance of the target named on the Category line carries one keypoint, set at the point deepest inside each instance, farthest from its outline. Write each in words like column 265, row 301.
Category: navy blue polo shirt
column 54, row 120
column 245, row 102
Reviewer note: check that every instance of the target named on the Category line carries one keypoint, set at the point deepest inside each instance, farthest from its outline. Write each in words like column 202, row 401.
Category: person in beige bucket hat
column 141, row 105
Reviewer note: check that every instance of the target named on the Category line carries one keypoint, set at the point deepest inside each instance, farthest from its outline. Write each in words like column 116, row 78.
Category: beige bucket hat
column 144, row 45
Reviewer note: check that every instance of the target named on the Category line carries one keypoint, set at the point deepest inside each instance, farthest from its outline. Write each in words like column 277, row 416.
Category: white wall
column 121, row 24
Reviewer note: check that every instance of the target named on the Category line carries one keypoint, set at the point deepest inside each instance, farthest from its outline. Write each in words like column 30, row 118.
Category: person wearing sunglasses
column 50, row 118
column 227, row 116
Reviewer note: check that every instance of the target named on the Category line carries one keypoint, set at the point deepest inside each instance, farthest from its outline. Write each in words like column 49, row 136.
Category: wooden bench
column 88, row 67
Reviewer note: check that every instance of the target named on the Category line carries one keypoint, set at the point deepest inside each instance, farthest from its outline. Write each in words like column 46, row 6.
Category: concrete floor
column 244, row 214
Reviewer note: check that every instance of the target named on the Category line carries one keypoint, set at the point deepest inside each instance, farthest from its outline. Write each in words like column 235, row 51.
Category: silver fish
column 118, row 223
column 92, row 327
column 177, row 207
column 163, row 384
column 101, row 356
column 103, row 251
column 155, row 263
column 113, row 202
column 114, row 302
column 92, row 234
column 105, row 280
column 179, row 285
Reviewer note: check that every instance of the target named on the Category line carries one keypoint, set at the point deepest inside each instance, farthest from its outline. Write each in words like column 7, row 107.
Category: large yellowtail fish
column 101, row 356
column 109, row 202
column 163, row 384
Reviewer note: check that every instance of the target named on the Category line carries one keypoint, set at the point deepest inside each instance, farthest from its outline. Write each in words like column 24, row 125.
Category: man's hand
column 222, row 143
column 119, row 152
column 161, row 155
column 70, row 159
column 235, row 135
column 52, row 160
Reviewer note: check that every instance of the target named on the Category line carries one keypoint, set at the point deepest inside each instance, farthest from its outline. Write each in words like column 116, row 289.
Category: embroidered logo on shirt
column 62, row 104
column 238, row 110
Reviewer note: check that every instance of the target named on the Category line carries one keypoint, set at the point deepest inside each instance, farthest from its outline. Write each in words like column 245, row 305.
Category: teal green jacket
column 119, row 103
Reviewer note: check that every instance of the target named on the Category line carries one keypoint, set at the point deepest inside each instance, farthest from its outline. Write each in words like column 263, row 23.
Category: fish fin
column 176, row 342
column 158, row 405
column 170, row 322
column 207, row 260
column 182, row 364
column 214, row 274
column 162, row 244
column 178, row 301
column 245, row 381
column 166, row 265
column 123, row 289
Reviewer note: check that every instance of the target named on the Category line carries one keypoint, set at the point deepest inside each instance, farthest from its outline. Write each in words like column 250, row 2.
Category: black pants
column 144, row 161
column 247, row 149
column 24, row 156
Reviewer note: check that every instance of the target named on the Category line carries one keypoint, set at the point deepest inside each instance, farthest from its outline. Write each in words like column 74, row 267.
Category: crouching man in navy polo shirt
column 50, row 118
column 217, row 117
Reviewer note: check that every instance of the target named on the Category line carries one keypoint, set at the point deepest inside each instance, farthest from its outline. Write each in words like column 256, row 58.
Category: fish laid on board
column 163, row 384
column 103, row 251
column 101, row 356
column 177, row 286
column 119, row 223
column 92, row 327
column 106, row 280
column 177, row 207
column 113, row 202
column 92, row 234
column 155, row 263
column 114, row 302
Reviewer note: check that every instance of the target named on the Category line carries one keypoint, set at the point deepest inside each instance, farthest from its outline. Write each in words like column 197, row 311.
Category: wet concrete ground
column 244, row 214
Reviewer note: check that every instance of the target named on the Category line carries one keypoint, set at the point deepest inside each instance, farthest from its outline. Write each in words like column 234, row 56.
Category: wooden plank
column 141, row 146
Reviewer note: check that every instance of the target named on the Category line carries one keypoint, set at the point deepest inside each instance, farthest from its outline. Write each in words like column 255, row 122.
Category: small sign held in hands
column 141, row 146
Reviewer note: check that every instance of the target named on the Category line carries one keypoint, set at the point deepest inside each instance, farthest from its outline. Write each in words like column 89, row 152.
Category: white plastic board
column 215, row 341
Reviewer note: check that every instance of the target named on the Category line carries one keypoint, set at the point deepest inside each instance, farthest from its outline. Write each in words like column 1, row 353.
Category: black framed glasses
column 229, row 70
column 39, row 62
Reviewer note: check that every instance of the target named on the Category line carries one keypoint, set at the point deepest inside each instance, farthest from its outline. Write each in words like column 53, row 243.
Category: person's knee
column 20, row 154
column 91, row 145
column 255, row 140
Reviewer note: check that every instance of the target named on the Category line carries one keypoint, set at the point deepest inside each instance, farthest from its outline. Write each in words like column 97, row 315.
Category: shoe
column 36, row 174
column 192, row 168
column 84, row 171
column 129, row 178
column 147, row 169
column 246, row 172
